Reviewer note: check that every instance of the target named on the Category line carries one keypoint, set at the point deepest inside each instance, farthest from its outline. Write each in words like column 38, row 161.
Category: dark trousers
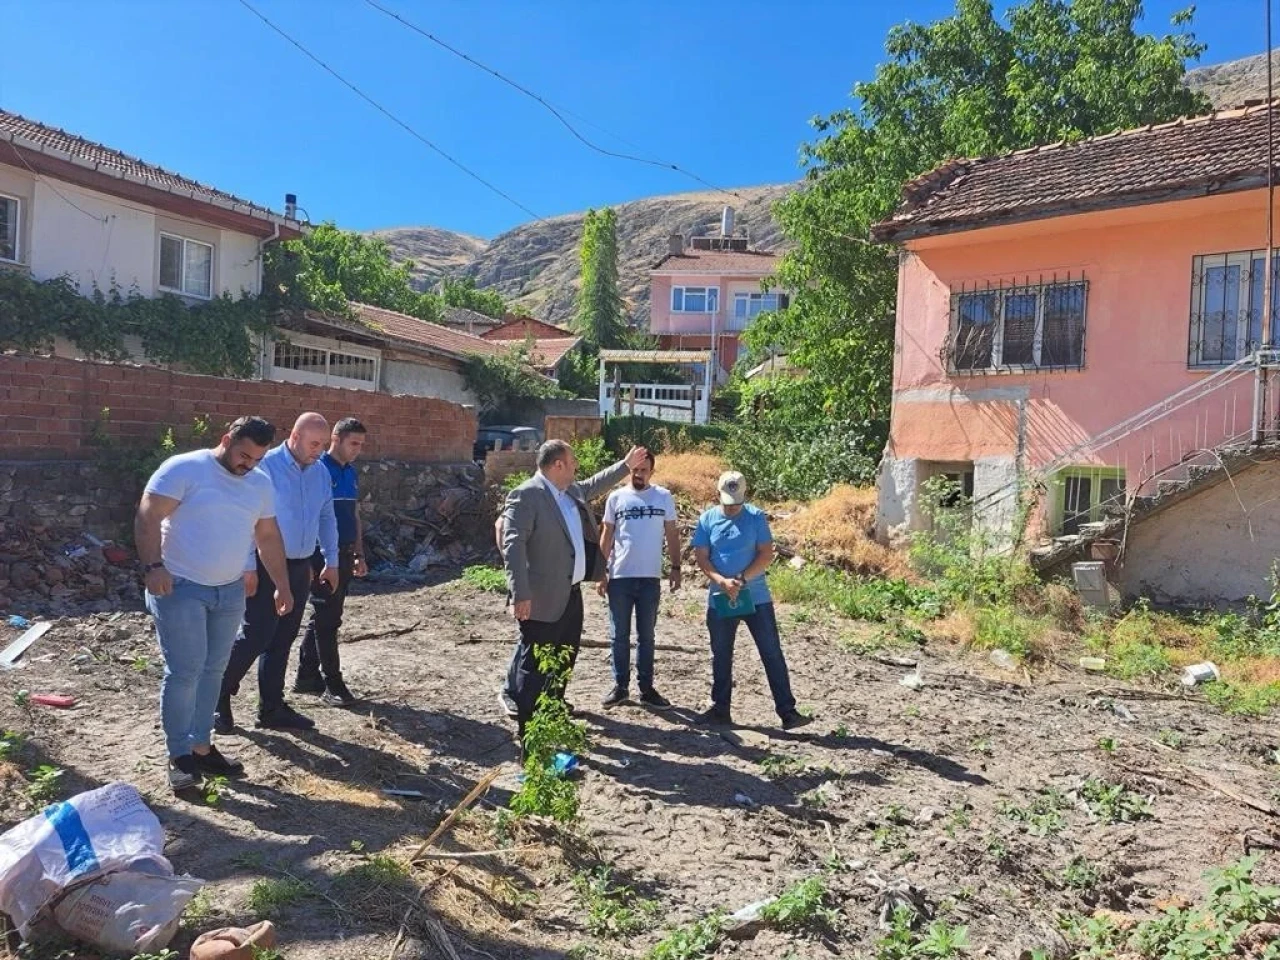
column 318, row 656
column 628, row 596
column 763, row 626
column 527, row 680
column 266, row 637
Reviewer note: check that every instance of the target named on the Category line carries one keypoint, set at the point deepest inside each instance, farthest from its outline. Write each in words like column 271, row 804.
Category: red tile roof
column 521, row 328
column 41, row 138
column 724, row 262
column 445, row 340
column 1194, row 157
column 547, row 353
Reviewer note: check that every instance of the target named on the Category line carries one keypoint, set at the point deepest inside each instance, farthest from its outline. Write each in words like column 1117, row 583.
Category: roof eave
column 262, row 214
column 890, row 231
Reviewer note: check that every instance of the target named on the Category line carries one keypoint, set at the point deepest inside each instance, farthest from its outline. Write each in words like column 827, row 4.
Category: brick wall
column 48, row 407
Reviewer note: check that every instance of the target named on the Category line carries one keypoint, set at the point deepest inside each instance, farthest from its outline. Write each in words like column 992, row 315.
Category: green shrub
column 592, row 455
column 797, row 463
column 489, row 579
column 661, row 436
column 872, row 599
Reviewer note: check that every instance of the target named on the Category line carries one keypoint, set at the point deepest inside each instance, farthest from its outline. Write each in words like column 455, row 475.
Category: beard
column 639, row 484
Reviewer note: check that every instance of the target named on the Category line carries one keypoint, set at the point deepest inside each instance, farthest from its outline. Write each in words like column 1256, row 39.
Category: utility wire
column 61, row 196
column 558, row 113
column 388, row 114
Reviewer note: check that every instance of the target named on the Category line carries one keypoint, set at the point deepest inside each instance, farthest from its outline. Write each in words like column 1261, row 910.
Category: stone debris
column 47, row 572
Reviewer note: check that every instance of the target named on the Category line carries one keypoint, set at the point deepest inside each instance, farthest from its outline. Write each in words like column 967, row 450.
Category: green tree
column 600, row 317
column 463, row 293
column 328, row 267
column 505, row 384
column 969, row 85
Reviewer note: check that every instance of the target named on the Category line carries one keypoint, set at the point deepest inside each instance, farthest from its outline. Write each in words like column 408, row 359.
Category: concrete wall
column 1214, row 548
column 421, row 380
column 93, row 238
column 1138, row 264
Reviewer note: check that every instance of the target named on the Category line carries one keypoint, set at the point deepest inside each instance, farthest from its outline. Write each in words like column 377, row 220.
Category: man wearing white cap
column 734, row 547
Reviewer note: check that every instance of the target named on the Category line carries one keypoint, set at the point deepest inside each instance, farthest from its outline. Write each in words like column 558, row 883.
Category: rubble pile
column 446, row 526
column 48, row 572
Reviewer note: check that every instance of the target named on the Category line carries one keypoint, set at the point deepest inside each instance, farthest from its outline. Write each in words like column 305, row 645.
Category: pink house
column 704, row 294
column 1085, row 322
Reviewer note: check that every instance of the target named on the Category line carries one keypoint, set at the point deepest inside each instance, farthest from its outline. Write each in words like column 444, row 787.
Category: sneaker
column 284, row 717
column 183, row 773
column 336, row 694
column 309, row 684
column 795, row 720
column 223, row 721
column 714, row 717
column 216, row 764
column 615, row 697
column 508, row 705
column 652, row 698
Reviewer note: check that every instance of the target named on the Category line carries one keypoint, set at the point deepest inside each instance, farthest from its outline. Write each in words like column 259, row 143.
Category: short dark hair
column 551, row 451
column 348, row 425
column 254, row 429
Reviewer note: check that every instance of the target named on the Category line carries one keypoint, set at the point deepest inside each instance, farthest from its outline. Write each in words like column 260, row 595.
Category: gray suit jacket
column 536, row 546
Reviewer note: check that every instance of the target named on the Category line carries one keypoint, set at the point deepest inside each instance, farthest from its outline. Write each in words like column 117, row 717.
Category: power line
column 558, row 113
column 388, row 114
column 61, row 196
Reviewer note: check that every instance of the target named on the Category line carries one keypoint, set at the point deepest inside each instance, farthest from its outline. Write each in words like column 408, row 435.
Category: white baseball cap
column 733, row 488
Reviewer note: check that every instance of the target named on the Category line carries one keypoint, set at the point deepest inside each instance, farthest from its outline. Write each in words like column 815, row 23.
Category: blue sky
column 724, row 88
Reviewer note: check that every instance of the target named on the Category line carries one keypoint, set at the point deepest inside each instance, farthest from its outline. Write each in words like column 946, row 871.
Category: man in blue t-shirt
column 734, row 547
column 319, row 666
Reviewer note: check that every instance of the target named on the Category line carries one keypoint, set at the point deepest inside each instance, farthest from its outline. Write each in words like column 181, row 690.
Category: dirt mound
column 839, row 529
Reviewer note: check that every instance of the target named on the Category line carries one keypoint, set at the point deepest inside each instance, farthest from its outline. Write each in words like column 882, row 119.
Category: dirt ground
column 888, row 781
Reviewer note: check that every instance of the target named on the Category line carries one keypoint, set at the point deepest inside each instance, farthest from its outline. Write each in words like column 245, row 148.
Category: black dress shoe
column 215, row 764
column 284, row 717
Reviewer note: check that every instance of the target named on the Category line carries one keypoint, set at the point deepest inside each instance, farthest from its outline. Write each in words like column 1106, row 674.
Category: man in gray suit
column 550, row 544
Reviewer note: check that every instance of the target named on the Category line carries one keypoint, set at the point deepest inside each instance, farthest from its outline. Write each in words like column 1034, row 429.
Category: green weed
column 545, row 792
column 692, row 941
column 213, row 788
column 1243, row 701
column 1042, row 817
column 939, row 941
column 857, row 598
column 1107, row 744
column 801, row 905
column 489, row 579
column 1114, row 802
column 1171, row 738
column 141, row 663
column 379, row 870
column 43, row 788
column 270, row 896
column 779, row 766
column 613, row 910
column 11, row 744
column 1080, row 874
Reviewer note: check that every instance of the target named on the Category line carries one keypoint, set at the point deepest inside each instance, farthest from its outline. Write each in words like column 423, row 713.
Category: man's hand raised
column 637, row 456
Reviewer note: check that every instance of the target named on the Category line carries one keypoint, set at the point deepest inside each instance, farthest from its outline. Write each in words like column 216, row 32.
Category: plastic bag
column 131, row 911
column 69, row 843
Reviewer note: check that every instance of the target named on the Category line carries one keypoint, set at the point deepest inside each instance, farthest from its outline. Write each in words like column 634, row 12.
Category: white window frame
column 1244, row 260
column 17, row 229
column 769, row 303
column 289, row 375
column 709, row 293
column 997, row 338
column 181, row 290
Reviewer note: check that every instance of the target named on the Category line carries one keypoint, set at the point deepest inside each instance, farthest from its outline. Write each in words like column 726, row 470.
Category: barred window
column 1034, row 326
column 1226, row 305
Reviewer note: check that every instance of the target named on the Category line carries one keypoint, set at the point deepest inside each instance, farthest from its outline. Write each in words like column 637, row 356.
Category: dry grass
column 692, row 475
column 839, row 529
column 318, row 788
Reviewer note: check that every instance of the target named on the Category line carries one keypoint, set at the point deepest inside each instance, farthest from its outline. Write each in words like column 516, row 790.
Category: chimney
column 291, row 206
column 675, row 244
column 726, row 222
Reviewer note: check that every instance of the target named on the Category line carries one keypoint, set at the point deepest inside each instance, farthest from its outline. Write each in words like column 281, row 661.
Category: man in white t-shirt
column 200, row 515
column 638, row 519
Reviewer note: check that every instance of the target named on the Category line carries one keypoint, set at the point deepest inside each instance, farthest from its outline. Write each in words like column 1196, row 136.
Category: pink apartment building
column 1085, row 321
column 703, row 294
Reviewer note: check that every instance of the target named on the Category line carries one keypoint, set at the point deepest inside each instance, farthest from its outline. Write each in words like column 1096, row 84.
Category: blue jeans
column 197, row 626
column 764, row 631
column 627, row 595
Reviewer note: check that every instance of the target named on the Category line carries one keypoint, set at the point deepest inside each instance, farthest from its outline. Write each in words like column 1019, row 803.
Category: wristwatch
column 152, row 566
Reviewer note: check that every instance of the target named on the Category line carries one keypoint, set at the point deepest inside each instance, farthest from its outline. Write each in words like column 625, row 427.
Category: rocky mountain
column 432, row 252
column 535, row 266
column 1232, row 84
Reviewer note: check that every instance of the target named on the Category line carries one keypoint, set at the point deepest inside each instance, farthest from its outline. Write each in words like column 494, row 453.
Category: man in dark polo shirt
column 319, row 669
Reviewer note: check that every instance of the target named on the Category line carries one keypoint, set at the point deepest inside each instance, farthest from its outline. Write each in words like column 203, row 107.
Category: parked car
column 505, row 438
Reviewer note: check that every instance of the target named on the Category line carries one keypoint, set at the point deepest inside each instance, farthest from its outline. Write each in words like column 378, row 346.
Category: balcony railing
column 689, row 324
